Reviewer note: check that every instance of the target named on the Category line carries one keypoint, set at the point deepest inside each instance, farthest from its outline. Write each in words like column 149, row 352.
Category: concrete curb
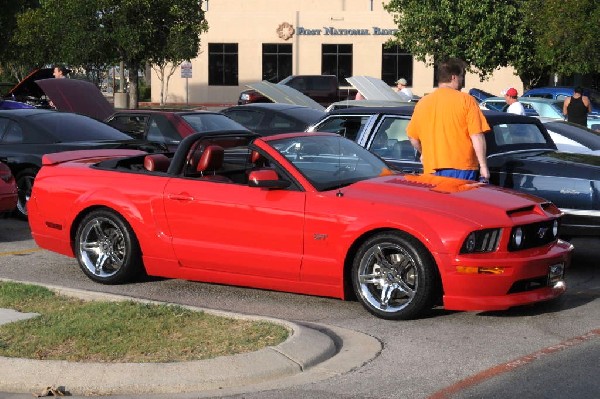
column 310, row 346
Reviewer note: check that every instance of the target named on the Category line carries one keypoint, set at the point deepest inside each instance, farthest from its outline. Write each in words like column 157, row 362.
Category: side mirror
column 266, row 178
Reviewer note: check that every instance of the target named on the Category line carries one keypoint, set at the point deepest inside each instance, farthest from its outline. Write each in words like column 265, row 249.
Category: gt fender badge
column 319, row 236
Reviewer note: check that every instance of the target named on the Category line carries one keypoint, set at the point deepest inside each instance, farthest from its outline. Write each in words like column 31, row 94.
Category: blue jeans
column 458, row 173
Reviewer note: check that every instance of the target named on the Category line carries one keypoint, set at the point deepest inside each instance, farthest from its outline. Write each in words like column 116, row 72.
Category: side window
column 298, row 84
column 249, row 119
column 3, row 125
column 347, row 126
column 13, row 133
column 391, row 140
column 279, row 122
column 159, row 129
column 133, row 125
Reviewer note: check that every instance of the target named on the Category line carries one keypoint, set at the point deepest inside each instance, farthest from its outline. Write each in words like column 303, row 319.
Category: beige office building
column 252, row 40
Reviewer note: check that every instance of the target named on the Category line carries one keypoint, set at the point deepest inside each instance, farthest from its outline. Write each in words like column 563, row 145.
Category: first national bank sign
column 330, row 31
column 286, row 31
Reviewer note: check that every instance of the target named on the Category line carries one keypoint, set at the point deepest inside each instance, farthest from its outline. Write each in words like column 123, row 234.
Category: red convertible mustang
column 310, row 213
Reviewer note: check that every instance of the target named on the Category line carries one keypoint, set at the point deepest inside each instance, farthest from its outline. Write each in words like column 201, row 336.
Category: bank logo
column 285, row 31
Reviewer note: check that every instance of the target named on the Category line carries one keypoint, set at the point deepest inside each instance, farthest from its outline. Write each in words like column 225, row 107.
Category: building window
column 276, row 62
column 222, row 64
column 337, row 60
column 396, row 63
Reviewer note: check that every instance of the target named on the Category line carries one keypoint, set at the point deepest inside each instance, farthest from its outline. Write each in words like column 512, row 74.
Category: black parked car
column 521, row 156
column 27, row 134
column 273, row 118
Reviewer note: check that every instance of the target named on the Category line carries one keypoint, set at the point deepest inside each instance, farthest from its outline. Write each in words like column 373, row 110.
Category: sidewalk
column 312, row 352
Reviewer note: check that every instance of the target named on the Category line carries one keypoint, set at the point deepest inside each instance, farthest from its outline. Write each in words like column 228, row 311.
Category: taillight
column 5, row 173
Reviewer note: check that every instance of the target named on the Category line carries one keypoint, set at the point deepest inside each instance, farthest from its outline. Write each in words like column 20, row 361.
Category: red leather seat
column 210, row 162
column 258, row 160
column 156, row 162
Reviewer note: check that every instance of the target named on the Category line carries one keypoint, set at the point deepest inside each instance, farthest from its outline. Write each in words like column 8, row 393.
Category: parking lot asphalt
column 312, row 352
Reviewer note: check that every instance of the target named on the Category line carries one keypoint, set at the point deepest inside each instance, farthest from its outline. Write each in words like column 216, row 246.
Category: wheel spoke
column 97, row 227
column 99, row 266
column 380, row 259
column 386, row 294
column 374, row 278
column 115, row 259
column 405, row 288
column 91, row 246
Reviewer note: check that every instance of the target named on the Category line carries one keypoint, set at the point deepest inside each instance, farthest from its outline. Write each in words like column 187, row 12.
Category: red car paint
column 298, row 240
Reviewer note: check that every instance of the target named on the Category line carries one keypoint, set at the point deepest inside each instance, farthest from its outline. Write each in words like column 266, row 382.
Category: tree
column 487, row 34
column 566, row 34
column 177, row 39
column 94, row 33
column 13, row 61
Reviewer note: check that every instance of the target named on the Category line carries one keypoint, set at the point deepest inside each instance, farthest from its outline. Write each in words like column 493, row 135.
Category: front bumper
column 524, row 279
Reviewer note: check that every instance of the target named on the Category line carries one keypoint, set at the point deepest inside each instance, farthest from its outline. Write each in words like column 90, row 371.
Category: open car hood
column 79, row 96
column 27, row 87
column 283, row 94
column 376, row 89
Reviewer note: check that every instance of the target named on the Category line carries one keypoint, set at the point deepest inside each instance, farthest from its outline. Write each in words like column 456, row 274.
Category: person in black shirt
column 577, row 106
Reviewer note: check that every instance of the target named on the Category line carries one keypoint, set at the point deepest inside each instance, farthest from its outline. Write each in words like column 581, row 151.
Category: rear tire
column 24, row 180
column 107, row 249
column 395, row 277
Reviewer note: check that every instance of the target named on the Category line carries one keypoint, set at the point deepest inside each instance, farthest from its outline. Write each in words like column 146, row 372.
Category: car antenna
column 339, row 141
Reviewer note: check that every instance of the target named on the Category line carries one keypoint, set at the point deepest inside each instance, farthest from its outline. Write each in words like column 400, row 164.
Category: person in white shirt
column 402, row 88
column 514, row 106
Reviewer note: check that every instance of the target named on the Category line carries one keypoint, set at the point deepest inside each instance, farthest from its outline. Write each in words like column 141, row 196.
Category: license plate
column 555, row 274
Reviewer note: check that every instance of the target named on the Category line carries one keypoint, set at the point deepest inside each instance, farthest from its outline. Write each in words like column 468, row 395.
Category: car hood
column 68, row 95
column 79, row 96
column 27, row 86
column 280, row 93
column 376, row 89
column 464, row 199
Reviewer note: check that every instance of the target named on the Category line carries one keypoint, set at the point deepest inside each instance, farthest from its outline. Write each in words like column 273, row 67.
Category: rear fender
column 147, row 220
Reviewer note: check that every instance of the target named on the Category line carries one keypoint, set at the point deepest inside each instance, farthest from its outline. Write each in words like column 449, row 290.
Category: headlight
column 517, row 237
column 245, row 97
column 481, row 241
column 470, row 242
column 555, row 228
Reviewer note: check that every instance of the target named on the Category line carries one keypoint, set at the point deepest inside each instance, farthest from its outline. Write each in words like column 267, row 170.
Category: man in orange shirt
column 447, row 128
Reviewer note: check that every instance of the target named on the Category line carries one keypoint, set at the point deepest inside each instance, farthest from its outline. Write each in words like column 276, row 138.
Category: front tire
column 395, row 277
column 107, row 249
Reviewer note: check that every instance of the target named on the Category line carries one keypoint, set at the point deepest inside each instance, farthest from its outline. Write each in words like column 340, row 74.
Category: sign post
column 186, row 72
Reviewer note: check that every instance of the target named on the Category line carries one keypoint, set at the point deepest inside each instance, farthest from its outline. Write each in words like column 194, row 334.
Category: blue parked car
column 480, row 95
column 562, row 92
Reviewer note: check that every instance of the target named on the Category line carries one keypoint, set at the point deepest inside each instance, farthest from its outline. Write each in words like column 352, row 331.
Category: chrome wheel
column 106, row 248
column 394, row 276
column 388, row 278
column 102, row 247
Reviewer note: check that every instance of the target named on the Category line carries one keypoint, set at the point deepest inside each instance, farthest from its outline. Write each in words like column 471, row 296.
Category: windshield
column 202, row 122
column 330, row 162
column 67, row 127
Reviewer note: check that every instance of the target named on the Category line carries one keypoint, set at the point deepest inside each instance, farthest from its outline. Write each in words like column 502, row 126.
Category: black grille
column 528, row 284
column 534, row 235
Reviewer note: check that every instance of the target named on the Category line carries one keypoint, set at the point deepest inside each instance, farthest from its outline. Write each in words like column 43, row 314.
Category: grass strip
column 96, row 331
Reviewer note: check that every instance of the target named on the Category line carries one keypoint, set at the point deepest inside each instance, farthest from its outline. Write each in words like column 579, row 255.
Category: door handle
column 180, row 197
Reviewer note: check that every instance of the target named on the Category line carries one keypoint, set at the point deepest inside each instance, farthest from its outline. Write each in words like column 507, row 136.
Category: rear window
column 209, row 122
column 518, row 133
column 66, row 127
